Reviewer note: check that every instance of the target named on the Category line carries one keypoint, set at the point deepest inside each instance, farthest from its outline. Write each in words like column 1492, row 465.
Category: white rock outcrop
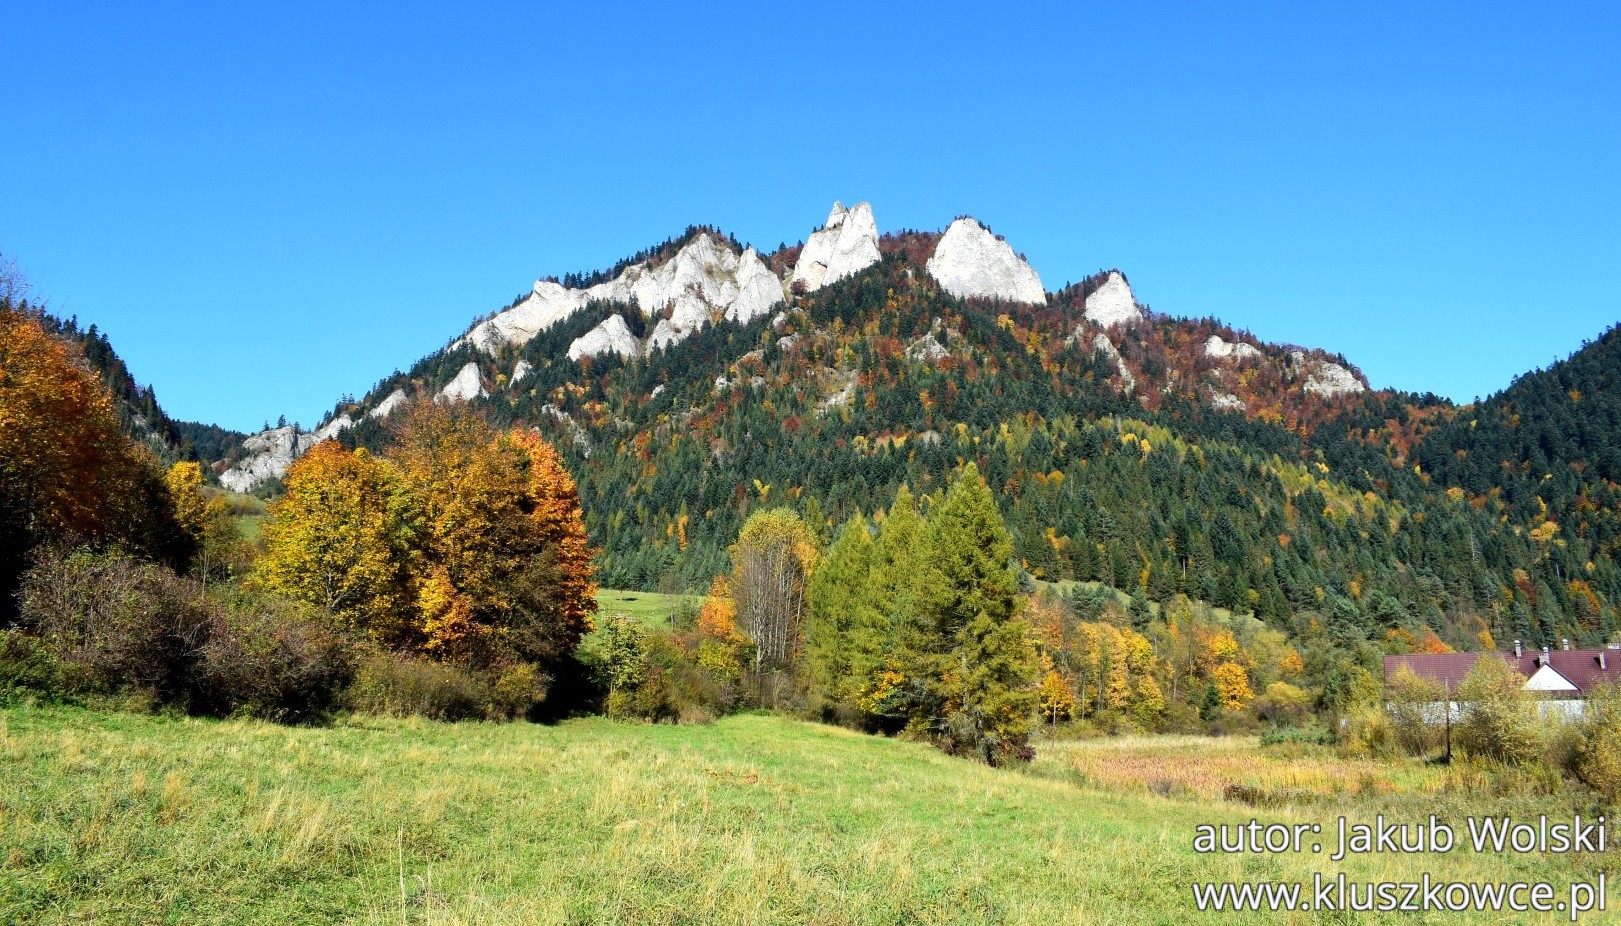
column 386, row 407
column 703, row 281
column 1104, row 346
column 519, row 370
column 465, row 386
column 546, row 305
column 1227, row 402
column 332, row 429
column 269, row 454
column 612, row 336
column 664, row 334
column 1324, row 377
column 927, row 349
column 970, row 261
column 1112, row 303
column 758, row 289
column 846, row 245
column 576, row 433
column 1217, row 346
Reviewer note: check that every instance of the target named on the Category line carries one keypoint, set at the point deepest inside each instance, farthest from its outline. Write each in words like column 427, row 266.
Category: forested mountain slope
column 138, row 410
column 1153, row 453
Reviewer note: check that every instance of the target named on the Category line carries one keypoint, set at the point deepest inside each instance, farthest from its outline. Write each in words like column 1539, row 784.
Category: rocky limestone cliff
column 386, row 407
column 846, row 245
column 1217, row 346
column 269, row 453
column 703, row 278
column 612, row 336
column 1112, row 303
column 970, row 261
column 464, row 387
column 1324, row 377
column 332, row 428
column 758, row 289
column 546, row 305
column 1104, row 346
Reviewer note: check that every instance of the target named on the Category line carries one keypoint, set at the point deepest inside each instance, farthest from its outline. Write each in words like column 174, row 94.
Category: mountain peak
column 846, row 245
column 1112, row 303
column 970, row 261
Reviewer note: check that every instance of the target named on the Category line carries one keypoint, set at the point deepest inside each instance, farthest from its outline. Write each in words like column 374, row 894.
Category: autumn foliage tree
column 67, row 471
column 771, row 566
column 342, row 539
column 463, row 543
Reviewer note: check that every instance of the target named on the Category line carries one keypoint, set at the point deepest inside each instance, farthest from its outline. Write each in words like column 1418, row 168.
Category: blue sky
column 267, row 206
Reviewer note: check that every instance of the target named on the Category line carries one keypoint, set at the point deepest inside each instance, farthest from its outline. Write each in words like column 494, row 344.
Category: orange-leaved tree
column 561, row 567
column 68, row 473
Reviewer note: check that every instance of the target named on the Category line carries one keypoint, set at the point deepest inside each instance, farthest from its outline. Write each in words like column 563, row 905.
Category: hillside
column 1158, row 454
column 1547, row 447
column 753, row 819
column 142, row 418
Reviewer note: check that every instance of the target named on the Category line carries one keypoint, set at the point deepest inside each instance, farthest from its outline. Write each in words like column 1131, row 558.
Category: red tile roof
column 1584, row 668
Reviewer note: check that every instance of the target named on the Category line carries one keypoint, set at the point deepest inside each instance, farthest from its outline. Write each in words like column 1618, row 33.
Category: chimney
column 1566, row 641
column 1518, row 651
column 1601, row 666
column 1545, row 651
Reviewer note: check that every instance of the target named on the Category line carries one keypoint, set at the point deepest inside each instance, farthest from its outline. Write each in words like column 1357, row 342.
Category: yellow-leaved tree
column 342, row 538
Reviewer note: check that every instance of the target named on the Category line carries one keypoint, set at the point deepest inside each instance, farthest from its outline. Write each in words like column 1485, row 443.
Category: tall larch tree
column 838, row 592
column 982, row 663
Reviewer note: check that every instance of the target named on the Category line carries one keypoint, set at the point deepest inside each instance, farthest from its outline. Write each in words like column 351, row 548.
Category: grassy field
column 648, row 607
column 115, row 818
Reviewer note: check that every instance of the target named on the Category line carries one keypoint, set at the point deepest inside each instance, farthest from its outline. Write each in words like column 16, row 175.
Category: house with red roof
column 1563, row 673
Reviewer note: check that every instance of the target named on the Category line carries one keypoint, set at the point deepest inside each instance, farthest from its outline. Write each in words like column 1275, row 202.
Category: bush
column 1369, row 733
column 404, row 686
column 649, row 675
column 1498, row 721
column 272, row 658
column 1413, row 711
column 1282, row 703
column 1297, row 736
column 116, row 623
column 519, row 688
column 27, row 668
column 1596, row 757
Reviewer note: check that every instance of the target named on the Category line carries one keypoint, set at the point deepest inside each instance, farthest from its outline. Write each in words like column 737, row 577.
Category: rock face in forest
column 1217, row 346
column 387, row 406
column 970, row 261
column 612, row 336
column 268, row 455
column 1324, row 377
column 464, row 387
column 1112, row 303
column 846, row 245
column 706, row 276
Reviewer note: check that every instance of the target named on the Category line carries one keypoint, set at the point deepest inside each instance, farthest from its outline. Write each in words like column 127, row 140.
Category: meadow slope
column 120, row 817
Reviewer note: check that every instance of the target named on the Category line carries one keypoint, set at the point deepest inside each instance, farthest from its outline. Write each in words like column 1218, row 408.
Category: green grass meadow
column 647, row 607
column 129, row 818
